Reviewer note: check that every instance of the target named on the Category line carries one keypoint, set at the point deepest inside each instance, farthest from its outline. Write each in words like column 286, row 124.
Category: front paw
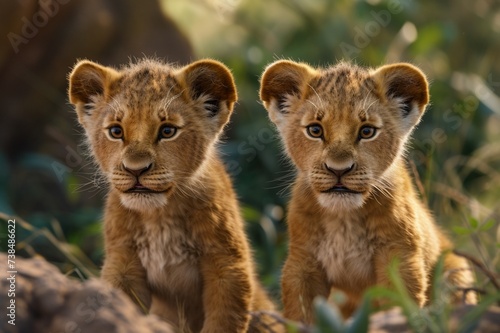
column 135, row 290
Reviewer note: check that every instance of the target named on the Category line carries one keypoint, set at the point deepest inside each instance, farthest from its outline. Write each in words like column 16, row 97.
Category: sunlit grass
column 457, row 169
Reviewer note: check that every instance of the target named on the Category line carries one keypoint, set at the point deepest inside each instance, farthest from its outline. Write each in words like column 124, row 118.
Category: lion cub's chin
column 143, row 202
column 340, row 201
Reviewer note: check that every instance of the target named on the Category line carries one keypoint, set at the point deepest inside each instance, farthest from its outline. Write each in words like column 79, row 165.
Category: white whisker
column 320, row 100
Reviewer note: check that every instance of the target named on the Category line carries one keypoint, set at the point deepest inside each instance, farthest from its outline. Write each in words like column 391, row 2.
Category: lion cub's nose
column 136, row 171
column 339, row 172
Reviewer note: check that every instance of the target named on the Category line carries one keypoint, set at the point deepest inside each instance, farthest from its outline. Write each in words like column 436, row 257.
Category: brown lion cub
column 174, row 236
column 353, row 206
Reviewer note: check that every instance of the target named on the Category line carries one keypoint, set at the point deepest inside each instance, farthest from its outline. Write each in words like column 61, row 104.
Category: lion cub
column 174, row 236
column 353, row 206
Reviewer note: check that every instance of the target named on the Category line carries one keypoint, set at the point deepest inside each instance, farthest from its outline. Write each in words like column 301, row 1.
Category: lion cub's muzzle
column 339, row 185
column 137, row 171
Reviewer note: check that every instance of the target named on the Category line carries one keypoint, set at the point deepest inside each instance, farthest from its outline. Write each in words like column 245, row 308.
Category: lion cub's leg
column 458, row 274
column 302, row 280
column 411, row 269
column 123, row 270
column 227, row 293
column 261, row 321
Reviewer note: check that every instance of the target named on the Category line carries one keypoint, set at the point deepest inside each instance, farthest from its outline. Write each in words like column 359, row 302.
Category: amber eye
column 315, row 131
column 367, row 132
column 166, row 132
column 116, row 132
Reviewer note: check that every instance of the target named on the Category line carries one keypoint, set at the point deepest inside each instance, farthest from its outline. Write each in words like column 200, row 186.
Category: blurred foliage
column 455, row 153
column 437, row 317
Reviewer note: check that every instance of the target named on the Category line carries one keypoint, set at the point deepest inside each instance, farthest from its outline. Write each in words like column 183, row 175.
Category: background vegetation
column 455, row 153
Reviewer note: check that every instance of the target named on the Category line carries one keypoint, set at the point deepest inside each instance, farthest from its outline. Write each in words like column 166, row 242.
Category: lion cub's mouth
column 340, row 188
column 139, row 188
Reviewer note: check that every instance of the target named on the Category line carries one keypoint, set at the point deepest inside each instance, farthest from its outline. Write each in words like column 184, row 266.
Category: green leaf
column 487, row 225
column 418, row 320
column 328, row 319
column 407, row 303
column 383, row 292
column 437, row 280
column 461, row 230
column 473, row 223
column 361, row 319
column 439, row 310
column 470, row 320
column 72, row 186
column 292, row 328
column 250, row 214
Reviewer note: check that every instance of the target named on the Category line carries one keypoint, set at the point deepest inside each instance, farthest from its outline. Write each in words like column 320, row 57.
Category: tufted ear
column 211, row 81
column 281, row 81
column 405, row 85
column 87, row 82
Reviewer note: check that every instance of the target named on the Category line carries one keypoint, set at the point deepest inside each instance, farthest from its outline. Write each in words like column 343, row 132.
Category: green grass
column 454, row 155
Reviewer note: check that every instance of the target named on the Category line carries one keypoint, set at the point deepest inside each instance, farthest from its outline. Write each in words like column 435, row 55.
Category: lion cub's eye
column 315, row 131
column 116, row 132
column 166, row 132
column 367, row 132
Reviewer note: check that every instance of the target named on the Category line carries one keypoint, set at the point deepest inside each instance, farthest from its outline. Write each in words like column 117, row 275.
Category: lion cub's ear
column 88, row 82
column 282, row 82
column 212, row 83
column 405, row 85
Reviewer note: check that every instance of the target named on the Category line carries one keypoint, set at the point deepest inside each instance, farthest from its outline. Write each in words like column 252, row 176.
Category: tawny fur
column 181, row 250
column 346, row 240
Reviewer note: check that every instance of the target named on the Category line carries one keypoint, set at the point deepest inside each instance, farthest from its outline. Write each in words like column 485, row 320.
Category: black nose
column 340, row 173
column 137, row 172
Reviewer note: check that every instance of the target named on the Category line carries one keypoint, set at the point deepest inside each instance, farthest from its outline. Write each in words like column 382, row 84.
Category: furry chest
column 165, row 251
column 346, row 252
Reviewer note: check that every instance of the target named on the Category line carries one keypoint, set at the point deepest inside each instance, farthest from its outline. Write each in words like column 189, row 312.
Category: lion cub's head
column 151, row 126
column 345, row 126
